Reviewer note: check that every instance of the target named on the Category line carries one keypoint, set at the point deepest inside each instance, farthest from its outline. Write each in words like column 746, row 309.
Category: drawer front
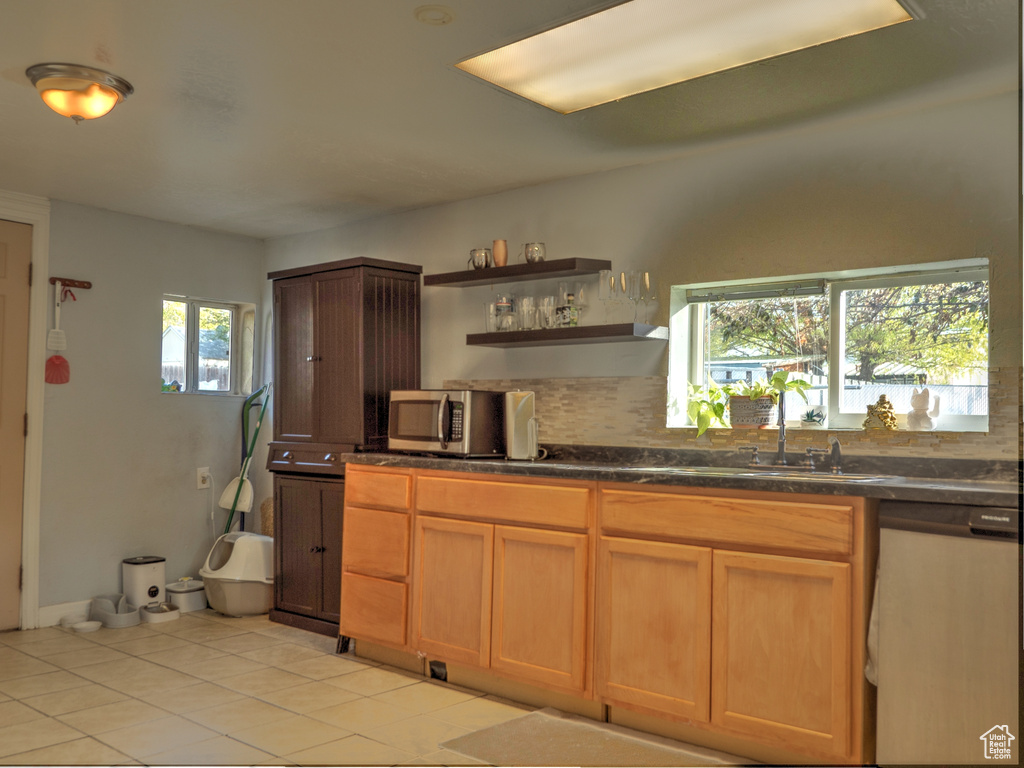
column 373, row 609
column 805, row 526
column 376, row 543
column 507, row 502
column 378, row 488
column 307, row 459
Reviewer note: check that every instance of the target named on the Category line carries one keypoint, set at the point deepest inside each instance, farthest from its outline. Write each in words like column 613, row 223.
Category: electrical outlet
column 202, row 478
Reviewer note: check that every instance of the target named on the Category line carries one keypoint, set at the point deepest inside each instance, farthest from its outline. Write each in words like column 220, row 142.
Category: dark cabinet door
column 337, row 391
column 297, row 537
column 293, row 359
column 332, row 502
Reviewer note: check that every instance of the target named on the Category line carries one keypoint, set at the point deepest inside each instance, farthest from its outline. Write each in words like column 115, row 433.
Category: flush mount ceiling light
column 81, row 93
column 641, row 45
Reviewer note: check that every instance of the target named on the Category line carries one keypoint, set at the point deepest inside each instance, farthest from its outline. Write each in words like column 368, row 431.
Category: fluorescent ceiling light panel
column 641, row 45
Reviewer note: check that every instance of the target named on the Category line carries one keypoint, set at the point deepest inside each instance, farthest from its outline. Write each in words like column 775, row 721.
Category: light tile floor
column 206, row 689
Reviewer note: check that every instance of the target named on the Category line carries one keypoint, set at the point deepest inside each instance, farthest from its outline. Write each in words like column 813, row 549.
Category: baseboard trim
column 50, row 615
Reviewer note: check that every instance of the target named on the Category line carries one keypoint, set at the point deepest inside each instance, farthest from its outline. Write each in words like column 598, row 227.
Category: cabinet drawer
column 310, row 459
column 797, row 525
column 373, row 609
column 508, row 502
column 376, row 543
column 376, row 488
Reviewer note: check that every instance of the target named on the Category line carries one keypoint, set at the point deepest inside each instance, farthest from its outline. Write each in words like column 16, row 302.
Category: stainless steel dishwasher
column 947, row 609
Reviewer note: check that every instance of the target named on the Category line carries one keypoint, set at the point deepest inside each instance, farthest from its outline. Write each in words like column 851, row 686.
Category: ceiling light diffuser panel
column 641, row 45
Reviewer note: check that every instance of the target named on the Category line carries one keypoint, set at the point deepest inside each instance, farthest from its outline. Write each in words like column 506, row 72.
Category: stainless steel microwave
column 446, row 421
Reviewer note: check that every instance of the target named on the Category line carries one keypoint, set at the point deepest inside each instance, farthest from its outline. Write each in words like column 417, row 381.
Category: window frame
column 686, row 323
column 242, row 315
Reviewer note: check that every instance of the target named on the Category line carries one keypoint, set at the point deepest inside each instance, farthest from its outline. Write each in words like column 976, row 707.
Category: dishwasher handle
column 999, row 523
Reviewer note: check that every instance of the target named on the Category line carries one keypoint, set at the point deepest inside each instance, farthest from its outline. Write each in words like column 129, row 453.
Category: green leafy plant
column 706, row 406
column 779, row 384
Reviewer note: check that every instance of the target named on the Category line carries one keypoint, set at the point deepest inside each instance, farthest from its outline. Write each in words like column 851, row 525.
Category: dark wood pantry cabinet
column 345, row 334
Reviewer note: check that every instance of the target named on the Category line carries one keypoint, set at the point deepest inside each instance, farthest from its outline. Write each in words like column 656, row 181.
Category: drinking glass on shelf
column 631, row 288
column 648, row 294
column 546, row 314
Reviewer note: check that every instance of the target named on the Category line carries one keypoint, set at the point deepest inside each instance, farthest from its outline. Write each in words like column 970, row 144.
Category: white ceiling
column 271, row 117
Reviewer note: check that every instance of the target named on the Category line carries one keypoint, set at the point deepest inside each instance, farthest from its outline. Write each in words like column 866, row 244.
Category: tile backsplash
column 631, row 412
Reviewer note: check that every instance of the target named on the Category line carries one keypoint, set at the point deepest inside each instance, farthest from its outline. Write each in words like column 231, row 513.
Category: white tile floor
column 206, row 689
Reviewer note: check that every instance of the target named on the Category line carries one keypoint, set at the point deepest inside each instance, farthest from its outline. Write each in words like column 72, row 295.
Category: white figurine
column 919, row 419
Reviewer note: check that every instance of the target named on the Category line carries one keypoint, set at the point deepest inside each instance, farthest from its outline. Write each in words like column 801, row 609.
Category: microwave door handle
column 442, row 428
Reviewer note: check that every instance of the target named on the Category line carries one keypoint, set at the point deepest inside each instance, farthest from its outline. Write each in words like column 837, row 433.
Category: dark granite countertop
column 976, row 482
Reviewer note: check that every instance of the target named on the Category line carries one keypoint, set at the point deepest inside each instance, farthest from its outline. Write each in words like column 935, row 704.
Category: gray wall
column 916, row 181
column 119, row 457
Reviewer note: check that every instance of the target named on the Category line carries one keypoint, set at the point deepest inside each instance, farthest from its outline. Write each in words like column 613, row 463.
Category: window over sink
column 854, row 335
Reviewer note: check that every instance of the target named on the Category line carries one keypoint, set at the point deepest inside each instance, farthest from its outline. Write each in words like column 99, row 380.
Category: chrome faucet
column 780, row 456
column 835, row 453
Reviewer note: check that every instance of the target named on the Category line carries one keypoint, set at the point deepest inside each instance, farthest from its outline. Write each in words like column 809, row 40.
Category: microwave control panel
column 457, row 419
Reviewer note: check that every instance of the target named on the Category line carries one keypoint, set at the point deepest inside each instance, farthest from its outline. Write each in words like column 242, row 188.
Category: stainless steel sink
column 782, row 474
column 826, row 477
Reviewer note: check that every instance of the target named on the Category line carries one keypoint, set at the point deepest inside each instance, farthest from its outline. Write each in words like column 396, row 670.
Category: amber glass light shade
column 81, row 93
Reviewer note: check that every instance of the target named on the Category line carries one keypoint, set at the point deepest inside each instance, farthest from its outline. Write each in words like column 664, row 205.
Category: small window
column 206, row 346
column 852, row 337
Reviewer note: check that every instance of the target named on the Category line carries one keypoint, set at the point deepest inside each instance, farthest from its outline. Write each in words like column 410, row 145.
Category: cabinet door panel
column 293, row 368
column 332, row 504
column 540, row 606
column 654, row 626
column 781, row 650
column 452, row 605
column 337, row 392
column 374, row 609
column 297, row 535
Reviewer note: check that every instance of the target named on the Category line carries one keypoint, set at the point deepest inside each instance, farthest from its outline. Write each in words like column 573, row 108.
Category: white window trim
column 685, row 322
column 235, row 375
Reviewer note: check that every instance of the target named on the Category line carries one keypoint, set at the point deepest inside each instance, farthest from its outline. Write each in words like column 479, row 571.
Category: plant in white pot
column 754, row 405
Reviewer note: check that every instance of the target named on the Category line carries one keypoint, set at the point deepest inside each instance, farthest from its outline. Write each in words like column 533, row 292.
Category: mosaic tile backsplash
column 631, row 412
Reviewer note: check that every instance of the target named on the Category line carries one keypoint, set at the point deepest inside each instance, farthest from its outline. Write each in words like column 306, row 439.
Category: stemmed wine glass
column 647, row 294
column 631, row 288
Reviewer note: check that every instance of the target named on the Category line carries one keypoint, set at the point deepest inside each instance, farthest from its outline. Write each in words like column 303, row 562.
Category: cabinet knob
column 313, row 358
column 288, row 455
column 331, row 458
column 314, row 550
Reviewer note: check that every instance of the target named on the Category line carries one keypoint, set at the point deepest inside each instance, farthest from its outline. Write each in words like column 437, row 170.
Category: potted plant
column 706, row 406
column 753, row 405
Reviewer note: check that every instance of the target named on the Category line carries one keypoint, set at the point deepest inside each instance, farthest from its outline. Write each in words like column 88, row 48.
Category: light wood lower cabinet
column 653, row 615
column 781, row 650
column 452, row 605
column 737, row 616
column 539, row 631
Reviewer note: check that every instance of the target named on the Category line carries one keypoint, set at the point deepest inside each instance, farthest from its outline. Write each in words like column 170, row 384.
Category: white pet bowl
column 87, row 626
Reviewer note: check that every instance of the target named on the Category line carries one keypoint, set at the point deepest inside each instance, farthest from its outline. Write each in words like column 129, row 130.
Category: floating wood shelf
column 543, row 270
column 582, row 334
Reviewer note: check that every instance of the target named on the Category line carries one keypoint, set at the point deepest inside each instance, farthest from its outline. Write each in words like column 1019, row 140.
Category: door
column 15, row 257
column 332, row 502
column 293, row 359
column 654, row 626
column 337, row 385
column 540, row 606
column 452, row 603
column 781, row 650
column 297, row 535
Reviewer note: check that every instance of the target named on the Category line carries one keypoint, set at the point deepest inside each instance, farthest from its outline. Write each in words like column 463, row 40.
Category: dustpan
column 237, row 496
column 58, row 371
